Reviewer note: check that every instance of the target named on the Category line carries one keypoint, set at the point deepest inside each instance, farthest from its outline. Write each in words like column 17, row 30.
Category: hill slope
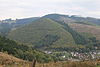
column 89, row 26
column 9, row 24
column 94, row 30
column 43, row 32
column 8, row 58
column 48, row 34
column 53, row 31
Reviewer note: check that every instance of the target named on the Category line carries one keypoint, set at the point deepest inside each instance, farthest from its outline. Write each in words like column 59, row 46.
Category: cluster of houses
column 76, row 56
column 86, row 56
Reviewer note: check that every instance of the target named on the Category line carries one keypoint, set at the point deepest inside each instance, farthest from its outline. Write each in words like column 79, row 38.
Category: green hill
column 54, row 33
column 46, row 34
column 43, row 32
column 9, row 24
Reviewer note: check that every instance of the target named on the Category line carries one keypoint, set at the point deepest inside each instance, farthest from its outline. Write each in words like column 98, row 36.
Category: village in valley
column 76, row 56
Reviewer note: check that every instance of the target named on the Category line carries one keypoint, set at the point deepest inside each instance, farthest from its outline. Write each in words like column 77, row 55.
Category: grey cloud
column 27, row 8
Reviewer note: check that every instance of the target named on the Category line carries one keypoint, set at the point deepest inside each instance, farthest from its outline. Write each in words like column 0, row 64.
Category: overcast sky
column 31, row 8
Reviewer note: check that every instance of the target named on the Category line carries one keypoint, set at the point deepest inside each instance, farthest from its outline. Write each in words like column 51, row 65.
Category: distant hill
column 21, row 22
column 9, row 24
column 44, row 31
column 86, row 19
column 54, row 31
column 74, row 18
column 80, row 24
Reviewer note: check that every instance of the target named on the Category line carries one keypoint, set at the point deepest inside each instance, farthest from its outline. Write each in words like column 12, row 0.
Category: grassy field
column 11, row 61
column 58, row 64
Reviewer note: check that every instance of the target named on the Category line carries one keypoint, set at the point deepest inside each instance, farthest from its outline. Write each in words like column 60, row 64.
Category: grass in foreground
column 57, row 64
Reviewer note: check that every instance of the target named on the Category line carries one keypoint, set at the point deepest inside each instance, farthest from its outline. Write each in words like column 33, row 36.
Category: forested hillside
column 47, row 34
column 53, row 31
column 41, row 29
column 22, row 51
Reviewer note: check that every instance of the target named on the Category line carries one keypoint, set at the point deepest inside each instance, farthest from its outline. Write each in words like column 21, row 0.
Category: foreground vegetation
column 22, row 51
column 58, row 64
column 10, row 61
